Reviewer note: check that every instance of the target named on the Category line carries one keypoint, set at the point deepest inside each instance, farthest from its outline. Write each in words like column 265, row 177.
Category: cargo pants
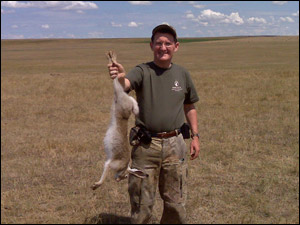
column 164, row 163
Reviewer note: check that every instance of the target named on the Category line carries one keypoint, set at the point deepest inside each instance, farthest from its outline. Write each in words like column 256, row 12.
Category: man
column 165, row 94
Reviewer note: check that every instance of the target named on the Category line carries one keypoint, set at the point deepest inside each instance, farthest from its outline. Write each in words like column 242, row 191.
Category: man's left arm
column 191, row 116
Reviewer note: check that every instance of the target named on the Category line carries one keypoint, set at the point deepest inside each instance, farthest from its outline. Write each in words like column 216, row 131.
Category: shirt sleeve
column 135, row 76
column 191, row 96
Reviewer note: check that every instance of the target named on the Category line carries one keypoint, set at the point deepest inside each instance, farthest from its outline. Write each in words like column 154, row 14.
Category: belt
column 166, row 134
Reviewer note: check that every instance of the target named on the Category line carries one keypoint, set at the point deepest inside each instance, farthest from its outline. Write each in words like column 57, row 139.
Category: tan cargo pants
column 164, row 162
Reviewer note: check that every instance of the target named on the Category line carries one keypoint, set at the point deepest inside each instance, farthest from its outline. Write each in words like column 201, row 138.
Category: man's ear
column 151, row 45
column 176, row 46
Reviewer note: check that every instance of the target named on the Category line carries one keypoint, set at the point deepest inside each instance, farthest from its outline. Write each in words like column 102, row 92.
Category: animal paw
column 135, row 110
column 95, row 186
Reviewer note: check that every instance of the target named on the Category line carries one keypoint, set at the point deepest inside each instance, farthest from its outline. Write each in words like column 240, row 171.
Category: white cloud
column 58, row 5
column 140, row 2
column 95, row 34
column 190, row 16
column 279, row 2
column 15, row 4
column 204, row 23
column 45, row 26
column 199, row 6
column 256, row 20
column 13, row 36
column 115, row 24
column 235, row 19
column 195, row 4
column 79, row 5
column 209, row 16
column 296, row 14
column 133, row 24
column 287, row 19
column 14, row 26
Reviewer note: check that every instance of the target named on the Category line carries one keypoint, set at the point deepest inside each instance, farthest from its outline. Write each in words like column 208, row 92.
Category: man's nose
column 163, row 47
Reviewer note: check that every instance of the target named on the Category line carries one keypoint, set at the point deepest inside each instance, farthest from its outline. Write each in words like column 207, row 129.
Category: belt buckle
column 162, row 134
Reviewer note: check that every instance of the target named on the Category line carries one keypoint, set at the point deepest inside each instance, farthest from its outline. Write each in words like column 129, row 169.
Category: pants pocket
column 172, row 182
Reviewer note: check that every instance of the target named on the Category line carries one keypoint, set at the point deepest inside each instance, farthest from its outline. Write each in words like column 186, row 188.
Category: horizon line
column 146, row 37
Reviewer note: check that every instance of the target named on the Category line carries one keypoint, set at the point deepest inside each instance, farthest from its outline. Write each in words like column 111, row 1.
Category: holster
column 133, row 136
column 139, row 135
column 185, row 130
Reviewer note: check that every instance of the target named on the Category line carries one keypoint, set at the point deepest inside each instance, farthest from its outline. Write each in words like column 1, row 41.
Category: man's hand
column 116, row 70
column 194, row 148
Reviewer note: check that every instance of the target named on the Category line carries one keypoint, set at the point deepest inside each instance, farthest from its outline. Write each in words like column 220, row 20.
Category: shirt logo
column 176, row 86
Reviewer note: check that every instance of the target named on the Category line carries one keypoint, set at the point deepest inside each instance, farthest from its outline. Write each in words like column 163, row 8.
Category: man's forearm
column 191, row 116
column 125, row 83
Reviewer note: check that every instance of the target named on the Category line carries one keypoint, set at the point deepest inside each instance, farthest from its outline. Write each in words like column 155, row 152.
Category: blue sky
column 127, row 19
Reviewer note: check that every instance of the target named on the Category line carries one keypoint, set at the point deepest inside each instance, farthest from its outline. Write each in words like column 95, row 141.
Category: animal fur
column 116, row 141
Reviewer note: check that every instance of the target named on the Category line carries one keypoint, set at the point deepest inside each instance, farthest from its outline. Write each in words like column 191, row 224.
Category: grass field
column 55, row 108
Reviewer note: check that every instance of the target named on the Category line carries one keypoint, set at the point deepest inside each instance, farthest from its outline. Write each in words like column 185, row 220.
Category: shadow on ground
column 105, row 218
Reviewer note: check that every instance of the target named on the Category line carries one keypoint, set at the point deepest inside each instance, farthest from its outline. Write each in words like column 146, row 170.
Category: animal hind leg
column 103, row 176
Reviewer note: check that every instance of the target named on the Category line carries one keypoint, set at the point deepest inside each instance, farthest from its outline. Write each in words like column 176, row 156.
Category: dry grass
column 55, row 103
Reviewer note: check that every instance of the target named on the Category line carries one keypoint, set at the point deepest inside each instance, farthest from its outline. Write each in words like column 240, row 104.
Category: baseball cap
column 164, row 28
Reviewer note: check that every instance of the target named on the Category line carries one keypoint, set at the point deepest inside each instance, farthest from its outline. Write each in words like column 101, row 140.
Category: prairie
column 55, row 108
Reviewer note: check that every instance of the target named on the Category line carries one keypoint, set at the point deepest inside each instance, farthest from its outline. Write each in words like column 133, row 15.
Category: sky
column 133, row 19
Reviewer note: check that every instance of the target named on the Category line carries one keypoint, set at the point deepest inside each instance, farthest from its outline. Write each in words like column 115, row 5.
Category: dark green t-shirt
column 161, row 94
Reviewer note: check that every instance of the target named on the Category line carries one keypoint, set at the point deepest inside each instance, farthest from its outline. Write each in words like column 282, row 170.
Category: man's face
column 163, row 47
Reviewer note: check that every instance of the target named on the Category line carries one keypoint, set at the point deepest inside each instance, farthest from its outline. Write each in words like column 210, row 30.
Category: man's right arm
column 117, row 70
column 125, row 83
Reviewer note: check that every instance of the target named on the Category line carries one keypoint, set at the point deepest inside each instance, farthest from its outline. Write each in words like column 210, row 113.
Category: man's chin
column 164, row 58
